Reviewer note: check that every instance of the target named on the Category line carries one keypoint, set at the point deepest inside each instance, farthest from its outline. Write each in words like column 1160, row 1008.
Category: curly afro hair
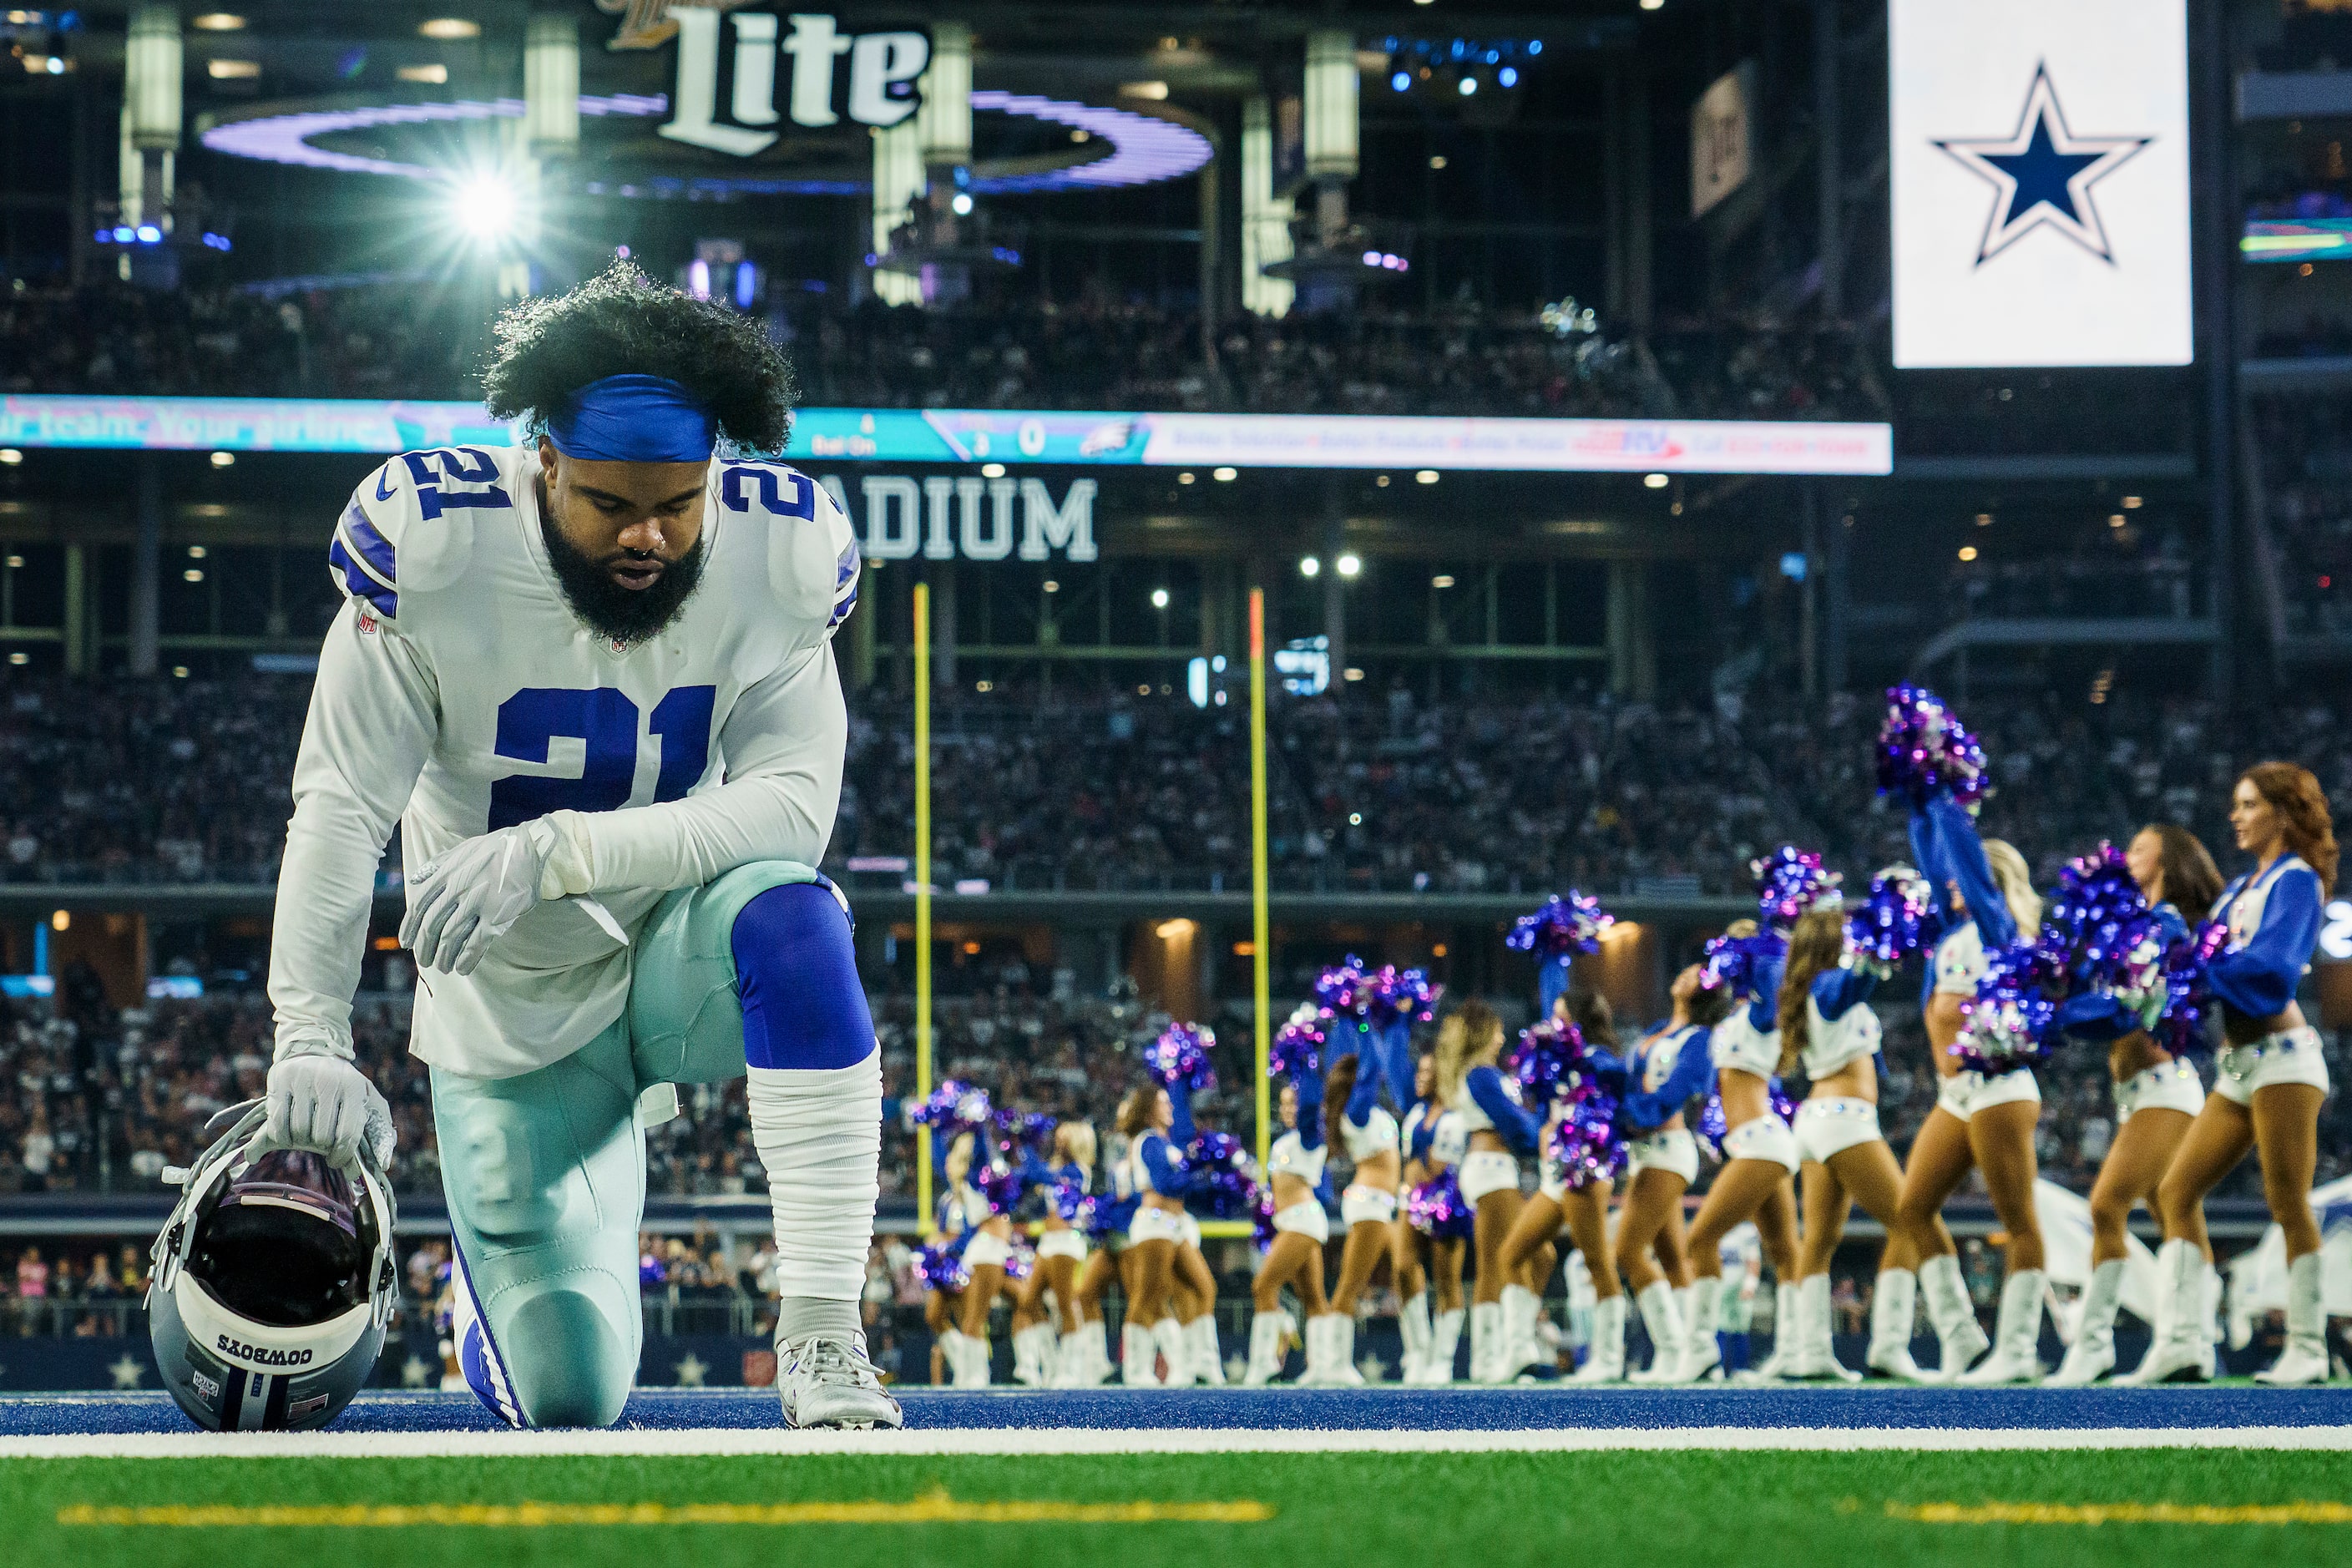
column 621, row 322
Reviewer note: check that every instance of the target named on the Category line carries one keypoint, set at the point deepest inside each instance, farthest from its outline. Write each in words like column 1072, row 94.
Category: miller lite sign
column 772, row 73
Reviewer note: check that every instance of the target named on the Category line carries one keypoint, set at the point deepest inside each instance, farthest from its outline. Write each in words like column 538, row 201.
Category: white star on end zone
column 691, row 1372
column 414, row 1372
column 2041, row 175
column 127, row 1372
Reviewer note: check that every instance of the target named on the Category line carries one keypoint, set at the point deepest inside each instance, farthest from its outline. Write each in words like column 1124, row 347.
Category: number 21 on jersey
column 606, row 723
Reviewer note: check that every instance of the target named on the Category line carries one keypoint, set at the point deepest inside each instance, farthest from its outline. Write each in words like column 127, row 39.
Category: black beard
column 627, row 615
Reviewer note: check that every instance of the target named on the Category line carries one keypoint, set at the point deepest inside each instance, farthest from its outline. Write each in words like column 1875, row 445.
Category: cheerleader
column 1827, row 1023
column 1087, row 1362
column 957, row 1209
column 1668, row 1068
column 1982, row 1121
column 1369, row 1204
column 1294, row 1170
column 1414, row 1321
column 1468, row 1043
column 986, row 1255
column 1062, row 1180
column 2157, row 1095
column 1158, row 1125
column 1757, row 1182
column 1583, row 1210
column 1193, row 1298
column 1436, row 1142
column 2269, row 1082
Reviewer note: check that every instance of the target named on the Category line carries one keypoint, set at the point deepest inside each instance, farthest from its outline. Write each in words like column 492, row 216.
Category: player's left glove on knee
column 323, row 1102
column 461, row 901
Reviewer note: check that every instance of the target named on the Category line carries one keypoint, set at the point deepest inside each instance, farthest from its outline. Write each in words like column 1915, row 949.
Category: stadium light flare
column 1654, row 481
column 1350, row 564
column 1159, row 598
column 485, row 206
column 1309, row 567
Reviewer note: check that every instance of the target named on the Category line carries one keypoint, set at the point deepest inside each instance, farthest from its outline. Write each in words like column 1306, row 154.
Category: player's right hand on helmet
column 324, row 1103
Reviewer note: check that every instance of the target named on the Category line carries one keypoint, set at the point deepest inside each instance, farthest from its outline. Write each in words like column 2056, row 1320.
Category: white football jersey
column 458, row 693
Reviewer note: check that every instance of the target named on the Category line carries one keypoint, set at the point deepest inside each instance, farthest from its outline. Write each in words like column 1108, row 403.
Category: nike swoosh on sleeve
column 383, row 484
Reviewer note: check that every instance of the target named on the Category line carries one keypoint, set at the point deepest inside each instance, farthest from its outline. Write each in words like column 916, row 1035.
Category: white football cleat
column 824, row 1380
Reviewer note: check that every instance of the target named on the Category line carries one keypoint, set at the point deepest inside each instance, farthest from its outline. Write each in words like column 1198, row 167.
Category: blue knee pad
column 796, row 973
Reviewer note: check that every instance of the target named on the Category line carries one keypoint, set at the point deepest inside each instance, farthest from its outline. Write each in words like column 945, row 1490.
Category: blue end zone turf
column 1325, row 1410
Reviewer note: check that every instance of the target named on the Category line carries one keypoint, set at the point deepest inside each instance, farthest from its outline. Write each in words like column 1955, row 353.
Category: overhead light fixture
column 1967, row 553
column 232, row 71
column 11, row 456
column 1143, row 89
column 1185, row 477
column 1654, row 481
column 1226, row 476
column 223, row 459
column 434, row 75
column 446, row 28
column 1052, row 586
column 1437, row 160
column 2131, row 503
column 218, row 22
column 960, row 204
column 194, row 575
column 992, row 470
column 1466, row 86
column 1309, row 567
column 1426, row 477
column 1349, row 564
column 1159, row 598
column 1442, row 580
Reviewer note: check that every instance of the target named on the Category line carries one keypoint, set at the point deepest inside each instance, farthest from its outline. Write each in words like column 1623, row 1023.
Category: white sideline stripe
column 1077, row 1440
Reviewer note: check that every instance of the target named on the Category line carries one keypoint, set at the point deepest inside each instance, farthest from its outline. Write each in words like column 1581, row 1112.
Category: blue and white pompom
column 1401, row 996
column 1343, row 990
column 1562, row 927
column 1894, row 921
column 1071, row 1202
column 1221, row 1184
column 1791, row 883
column 1923, row 747
column 1436, row 1209
column 955, row 1105
column 1583, row 1143
column 1737, row 960
column 1548, row 1058
column 1180, row 1055
column 2010, row 1023
column 1297, row 1046
column 2185, row 1026
column 1018, row 1130
column 939, row 1265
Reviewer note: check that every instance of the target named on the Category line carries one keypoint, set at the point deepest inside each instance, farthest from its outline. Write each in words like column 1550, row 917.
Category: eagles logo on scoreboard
column 2041, row 183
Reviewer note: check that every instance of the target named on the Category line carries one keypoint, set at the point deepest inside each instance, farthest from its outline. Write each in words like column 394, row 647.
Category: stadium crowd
column 2307, row 493
column 397, row 340
column 185, row 781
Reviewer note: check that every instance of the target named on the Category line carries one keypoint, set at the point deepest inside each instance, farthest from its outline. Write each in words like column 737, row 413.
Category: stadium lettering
column 948, row 519
column 882, row 71
column 258, row 1355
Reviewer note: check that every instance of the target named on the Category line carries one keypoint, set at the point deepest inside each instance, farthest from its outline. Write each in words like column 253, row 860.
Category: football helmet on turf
column 274, row 1282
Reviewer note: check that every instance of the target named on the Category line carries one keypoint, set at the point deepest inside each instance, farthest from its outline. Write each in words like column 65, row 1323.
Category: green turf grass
column 1588, row 1510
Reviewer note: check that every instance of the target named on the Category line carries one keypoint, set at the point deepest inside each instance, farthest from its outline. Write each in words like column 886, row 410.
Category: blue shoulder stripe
column 370, row 545
column 358, row 582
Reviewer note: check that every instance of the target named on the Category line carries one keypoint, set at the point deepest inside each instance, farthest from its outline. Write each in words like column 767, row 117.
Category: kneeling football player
column 592, row 679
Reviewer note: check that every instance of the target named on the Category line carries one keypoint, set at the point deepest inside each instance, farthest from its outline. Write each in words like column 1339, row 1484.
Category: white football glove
column 461, row 901
column 324, row 1104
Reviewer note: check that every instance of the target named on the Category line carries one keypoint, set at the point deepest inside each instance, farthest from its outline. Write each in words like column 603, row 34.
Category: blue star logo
column 2041, row 175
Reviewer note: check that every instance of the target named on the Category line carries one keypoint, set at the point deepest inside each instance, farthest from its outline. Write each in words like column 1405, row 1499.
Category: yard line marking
column 2122, row 1513
column 934, row 1507
column 934, row 1442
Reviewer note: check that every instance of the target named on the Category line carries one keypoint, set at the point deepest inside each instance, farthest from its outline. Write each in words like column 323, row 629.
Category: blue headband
column 632, row 419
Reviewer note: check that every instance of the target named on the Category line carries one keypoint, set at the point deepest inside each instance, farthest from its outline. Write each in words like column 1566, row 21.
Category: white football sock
column 819, row 1137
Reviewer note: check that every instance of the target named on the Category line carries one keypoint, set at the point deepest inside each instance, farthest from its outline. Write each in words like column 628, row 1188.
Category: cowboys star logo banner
column 2041, row 182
